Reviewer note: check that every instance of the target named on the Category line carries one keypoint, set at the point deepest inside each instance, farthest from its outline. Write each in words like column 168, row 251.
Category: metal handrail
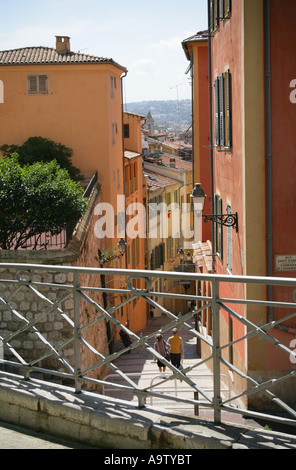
column 27, row 277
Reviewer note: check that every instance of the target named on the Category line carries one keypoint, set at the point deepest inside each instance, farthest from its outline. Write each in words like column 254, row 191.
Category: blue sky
column 144, row 37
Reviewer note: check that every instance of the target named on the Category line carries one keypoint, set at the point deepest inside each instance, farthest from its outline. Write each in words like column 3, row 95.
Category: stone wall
column 81, row 251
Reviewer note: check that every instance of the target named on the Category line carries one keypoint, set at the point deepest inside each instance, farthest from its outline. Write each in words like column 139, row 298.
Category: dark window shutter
column 217, row 131
column 228, row 6
column 228, row 108
column 42, row 83
column 222, row 9
column 33, row 86
column 126, row 130
column 212, row 15
column 217, row 19
column 222, row 110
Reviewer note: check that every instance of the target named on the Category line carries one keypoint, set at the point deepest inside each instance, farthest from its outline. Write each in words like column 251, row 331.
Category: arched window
column 1, row 92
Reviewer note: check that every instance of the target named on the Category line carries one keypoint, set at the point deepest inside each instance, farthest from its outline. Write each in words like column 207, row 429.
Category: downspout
column 211, row 135
column 192, row 112
column 268, row 151
column 123, row 164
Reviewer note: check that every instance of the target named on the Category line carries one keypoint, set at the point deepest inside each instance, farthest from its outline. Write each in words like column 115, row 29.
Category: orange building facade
column 196, row 51
column 76, row 100
column 69, row 98
column 136, row 312
column 253, row 160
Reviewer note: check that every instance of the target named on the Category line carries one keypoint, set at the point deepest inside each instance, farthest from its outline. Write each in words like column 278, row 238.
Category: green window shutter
column 222, row 9
column 217, row 19
column 212, row 23
column 217, row 127
column 222, row 110
column 228, row 108
column 228, row 6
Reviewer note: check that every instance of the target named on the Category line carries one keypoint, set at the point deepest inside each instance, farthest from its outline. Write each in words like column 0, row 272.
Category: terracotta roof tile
column 48, row 55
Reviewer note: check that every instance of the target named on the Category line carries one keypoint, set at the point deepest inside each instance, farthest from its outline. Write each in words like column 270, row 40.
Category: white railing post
column 216, row 351
column 77, row 364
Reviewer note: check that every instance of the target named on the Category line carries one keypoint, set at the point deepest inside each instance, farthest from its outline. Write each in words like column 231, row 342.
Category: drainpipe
column 123, row 167
column 211, row 134
column 268, row 150
column 192, row 113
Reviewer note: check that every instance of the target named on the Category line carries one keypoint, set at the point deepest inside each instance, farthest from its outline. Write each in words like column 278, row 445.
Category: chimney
column 63, row 44
column 172, row 162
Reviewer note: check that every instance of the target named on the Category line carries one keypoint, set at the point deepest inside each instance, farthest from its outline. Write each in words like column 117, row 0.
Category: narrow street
column 140, row 367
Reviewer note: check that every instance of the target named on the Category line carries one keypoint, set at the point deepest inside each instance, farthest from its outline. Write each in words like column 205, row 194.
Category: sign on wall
column 285, row 263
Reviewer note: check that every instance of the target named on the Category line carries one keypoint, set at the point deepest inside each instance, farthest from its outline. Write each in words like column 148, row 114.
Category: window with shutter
column 37, row 84
column 225, row 9
column 222, row 9
column 217, row 127
column 222, row 110
column 217, row 19
column 42, row 84
column 228, row 110
column 126, row 131
column 214, row 14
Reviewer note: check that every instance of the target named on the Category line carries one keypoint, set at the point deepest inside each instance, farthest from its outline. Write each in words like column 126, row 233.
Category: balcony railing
column 32, row 296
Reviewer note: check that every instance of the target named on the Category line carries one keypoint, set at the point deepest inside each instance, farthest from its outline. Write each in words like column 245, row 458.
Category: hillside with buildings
column 168, row 113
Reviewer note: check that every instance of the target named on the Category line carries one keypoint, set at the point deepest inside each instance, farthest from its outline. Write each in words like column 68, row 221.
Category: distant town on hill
column 166, row 112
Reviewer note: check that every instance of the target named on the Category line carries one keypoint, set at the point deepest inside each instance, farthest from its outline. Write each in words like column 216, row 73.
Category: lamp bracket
column 228, row 220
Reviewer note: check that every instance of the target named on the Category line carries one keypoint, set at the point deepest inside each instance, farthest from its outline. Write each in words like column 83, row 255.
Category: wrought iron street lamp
column 198, row 195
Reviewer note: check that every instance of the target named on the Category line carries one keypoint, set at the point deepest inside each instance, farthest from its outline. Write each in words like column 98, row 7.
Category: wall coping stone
column 98, row 420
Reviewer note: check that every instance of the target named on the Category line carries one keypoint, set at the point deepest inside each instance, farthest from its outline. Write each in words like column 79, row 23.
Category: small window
column 112, row 85
column 126, row 131
column 37, row 84
column 223, row 110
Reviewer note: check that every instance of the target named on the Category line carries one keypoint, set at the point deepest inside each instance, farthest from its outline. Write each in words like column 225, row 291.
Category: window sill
column 224, row 149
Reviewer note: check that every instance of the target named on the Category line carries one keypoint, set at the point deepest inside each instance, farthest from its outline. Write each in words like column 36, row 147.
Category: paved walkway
column 16, row 437
column 141, row 368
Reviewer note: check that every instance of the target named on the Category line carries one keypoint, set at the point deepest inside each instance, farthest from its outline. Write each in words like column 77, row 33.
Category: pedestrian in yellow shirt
column 177, row 348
